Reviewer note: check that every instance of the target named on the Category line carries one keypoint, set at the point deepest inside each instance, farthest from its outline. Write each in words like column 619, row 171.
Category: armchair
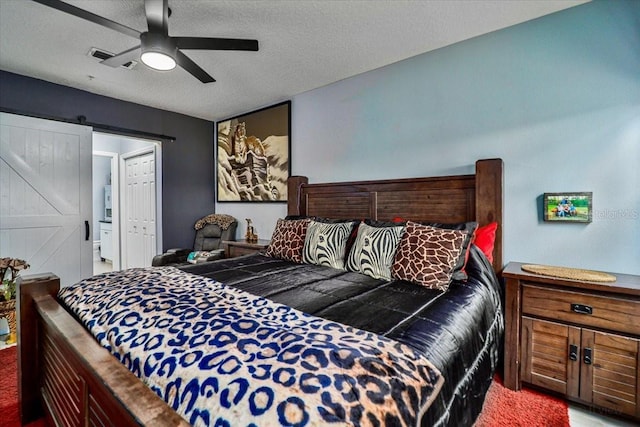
column 210, row 232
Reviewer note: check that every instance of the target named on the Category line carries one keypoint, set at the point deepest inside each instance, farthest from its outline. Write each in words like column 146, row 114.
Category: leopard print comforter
column 221, row 356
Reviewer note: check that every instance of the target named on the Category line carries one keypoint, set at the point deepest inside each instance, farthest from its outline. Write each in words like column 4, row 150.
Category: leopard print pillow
column 287, row 240
column 427, row 255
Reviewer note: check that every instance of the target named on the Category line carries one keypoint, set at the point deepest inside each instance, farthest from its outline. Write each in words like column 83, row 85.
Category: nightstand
column 235, row 248
column 577, row 338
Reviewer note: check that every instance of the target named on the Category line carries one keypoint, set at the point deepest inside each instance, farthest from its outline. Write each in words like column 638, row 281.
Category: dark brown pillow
column 287, row 240
column 426, row 255
column 469, row 228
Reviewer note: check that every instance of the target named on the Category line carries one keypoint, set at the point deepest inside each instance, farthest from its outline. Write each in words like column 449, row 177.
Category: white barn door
column 139, row 209
column 45, row 196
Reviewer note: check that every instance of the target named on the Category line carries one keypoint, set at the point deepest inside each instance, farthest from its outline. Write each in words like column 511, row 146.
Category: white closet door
column 140, row 210
column 45, row 196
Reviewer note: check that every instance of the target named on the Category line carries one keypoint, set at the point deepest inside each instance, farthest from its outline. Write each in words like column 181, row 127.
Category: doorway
column 116, row 246
column 106, row 243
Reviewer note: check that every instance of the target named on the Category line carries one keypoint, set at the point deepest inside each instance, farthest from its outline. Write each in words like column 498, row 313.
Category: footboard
column 66, row 376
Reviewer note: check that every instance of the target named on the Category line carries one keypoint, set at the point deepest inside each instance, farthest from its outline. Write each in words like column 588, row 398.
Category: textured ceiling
column 303, row 45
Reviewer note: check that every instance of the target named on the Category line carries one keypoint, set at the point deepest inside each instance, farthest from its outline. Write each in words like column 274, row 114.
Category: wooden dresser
column 580, row 339
column 235, row 248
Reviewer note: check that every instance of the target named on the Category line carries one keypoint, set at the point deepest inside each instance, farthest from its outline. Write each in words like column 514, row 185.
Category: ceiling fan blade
column 193, row 68
column 92, row 17
column 157, row 12
column 123, row 57
column 206, row 43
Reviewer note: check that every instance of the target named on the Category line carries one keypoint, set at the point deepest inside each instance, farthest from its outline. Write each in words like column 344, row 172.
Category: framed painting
column 568, row 207
column 253, row 155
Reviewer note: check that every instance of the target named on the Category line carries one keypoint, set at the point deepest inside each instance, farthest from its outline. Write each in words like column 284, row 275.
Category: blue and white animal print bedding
column 223, row 357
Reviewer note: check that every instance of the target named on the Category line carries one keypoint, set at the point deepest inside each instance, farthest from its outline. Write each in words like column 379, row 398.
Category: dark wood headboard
column 445, row 199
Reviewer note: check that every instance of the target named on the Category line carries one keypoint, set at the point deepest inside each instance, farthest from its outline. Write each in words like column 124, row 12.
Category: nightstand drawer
column 235, row 251
column 615, row 314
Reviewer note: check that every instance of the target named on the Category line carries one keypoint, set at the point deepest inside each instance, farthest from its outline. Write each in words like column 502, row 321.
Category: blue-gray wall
column 557, row 98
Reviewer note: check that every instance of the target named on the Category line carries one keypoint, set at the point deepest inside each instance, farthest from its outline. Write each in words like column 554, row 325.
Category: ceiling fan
column 157, row 48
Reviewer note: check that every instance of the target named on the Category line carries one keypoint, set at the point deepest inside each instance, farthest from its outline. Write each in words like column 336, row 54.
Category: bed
column 65, row 375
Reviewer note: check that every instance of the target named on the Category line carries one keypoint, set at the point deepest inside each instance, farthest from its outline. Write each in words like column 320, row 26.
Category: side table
column 235, row 248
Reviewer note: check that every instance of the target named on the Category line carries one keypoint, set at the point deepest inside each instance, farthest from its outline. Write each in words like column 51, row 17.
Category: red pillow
column 485, row 239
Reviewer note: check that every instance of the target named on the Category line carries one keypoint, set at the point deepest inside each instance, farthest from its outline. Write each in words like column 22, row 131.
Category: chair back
column 210, row 237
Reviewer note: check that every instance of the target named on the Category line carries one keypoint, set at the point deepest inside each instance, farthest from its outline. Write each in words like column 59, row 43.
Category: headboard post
column 294, row 204
column 489, row 188
column 30, row 288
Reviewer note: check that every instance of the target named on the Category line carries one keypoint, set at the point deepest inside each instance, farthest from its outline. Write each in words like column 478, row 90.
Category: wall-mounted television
column 568, row 207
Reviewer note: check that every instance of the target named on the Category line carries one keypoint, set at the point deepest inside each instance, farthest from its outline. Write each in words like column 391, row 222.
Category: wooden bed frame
column 66, row 376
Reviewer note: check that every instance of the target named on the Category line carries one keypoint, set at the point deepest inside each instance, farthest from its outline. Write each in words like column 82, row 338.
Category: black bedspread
column 459, row 331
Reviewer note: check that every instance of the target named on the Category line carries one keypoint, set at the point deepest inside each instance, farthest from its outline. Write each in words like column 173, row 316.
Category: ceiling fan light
column 158, row 61
column 158, row 51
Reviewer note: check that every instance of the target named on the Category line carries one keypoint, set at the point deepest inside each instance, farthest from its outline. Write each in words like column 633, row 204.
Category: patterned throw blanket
column 221, row 220
column 221, row 356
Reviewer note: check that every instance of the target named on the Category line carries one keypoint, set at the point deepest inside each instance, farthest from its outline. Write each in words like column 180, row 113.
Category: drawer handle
column 581, row 309
column 587, row 356
column 573, row 352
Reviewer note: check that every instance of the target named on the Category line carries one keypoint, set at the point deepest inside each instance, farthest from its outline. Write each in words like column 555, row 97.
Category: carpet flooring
column 525, row 408
column 9, row 386
column 9, row 411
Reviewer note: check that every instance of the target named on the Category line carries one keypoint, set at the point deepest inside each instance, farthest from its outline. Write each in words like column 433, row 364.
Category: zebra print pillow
column 325, row 244
column 373, row 251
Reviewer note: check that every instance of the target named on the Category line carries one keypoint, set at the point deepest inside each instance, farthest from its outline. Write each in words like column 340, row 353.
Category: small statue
column 250, row 236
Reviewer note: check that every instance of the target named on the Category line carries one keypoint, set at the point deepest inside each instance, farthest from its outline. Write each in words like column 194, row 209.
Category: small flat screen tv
column 568, row 207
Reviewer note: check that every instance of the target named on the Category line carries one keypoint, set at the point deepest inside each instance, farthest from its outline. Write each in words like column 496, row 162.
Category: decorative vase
column 8, row 311
column 9, row 270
